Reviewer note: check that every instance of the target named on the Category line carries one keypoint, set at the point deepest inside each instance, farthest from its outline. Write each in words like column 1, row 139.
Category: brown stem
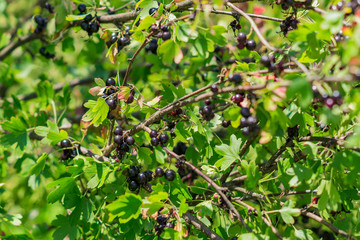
column 190, row 219
column 13, row 45
column 214, row 185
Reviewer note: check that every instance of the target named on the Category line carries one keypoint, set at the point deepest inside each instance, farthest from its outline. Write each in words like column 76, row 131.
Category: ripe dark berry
column 241, row 37
column 154, row 141
column 169, row 225
column 94, row 27
column 130, row 99
column 245, row 112
column 111, row 103
column 124, row 147
column 250, row 45
column 244, row 122
column 88, row 18
column 39, row 20
column 152, row 11
column 207, row 110
column 118, row 131
column 164, row 138
column 245, row 131
column 214, row 88
column 238, row 98
column 265, row 60
column 207, row 102
column 236, row 78
column 225, row 123
column 49, row 7
column 159, row 172
column 142, row 179
column 64, row 156
column 65, row 143
column 82, row 8
column 130, row 140
column 153, row 134
column 170, row 175
column 118, row 139
column 165, row 28
column 132, row 173
column 133, row 186
column 149, row 175
column 240, row 45
column 110, row 82
column 161, row 219
column 84, row 25
column 329, row 102
column 166, row 36
column 251, row 121
column 172, row 134
column 154, row 27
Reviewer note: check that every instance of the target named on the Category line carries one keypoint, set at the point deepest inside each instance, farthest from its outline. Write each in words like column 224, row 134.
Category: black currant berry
column 65, row 143
column 88, row 18
column 39, row 20
column 172, row 134
column 154, row 141
column 250, row 45
column 241, row 37
column 161, row 219
column 169, row 225
column 238, row 98
column 225, row 123
column 164, row 138
column 111, row 103
column 165, row 28
column 153, row 134
column 118, row 131
column 118, row 139
column 251, row 121
column 170, row 175
column 245, row 131
column 159, row 172
column 84, row 25
column 235, row 78
column 130, row 99
column 132, row 173
column 152, row 11
column 130, row 140
column 124, row 147
column 82, row 8
column 133, row 186
column 149, row 175
column 207, row 110
column 265, row 60
column 214, row 88
column 244, row 122
column 64, row 156
column 142, row 179
column 110, row 82
column 208, row 102
column 245, row 112
column 94, row 27
column 166, row 36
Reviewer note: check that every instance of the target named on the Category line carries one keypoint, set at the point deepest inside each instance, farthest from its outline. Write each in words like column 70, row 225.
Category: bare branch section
column 190, row 219
column 13, row 45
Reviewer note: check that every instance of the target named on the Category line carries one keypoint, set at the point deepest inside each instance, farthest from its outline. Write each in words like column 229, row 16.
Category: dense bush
column 179, row 119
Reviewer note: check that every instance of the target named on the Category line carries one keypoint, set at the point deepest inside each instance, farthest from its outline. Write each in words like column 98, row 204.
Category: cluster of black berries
column 88, row 26
column 123, row 144
column 329, row 101
column 242, row 42
column 235, row 25
column 45, row 53
column 69, row 150
column 248, row 123
column 286, row 4
column 351, row 7
column 152, row 46
column 162, row 223
column 162, row 32
column 340, row 37
column 49, row 7
column 137, row 179
column 288, row 24
column 41, row 23
column 122, row 42
column 156, row 140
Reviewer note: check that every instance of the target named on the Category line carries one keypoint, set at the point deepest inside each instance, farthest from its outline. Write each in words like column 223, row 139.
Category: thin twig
column 189, row 218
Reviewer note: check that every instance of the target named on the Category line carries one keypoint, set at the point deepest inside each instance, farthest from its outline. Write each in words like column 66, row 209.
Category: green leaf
column 65, row 185
column 169, row 50
column 287, row 212
column 230, row 153
column 55, row 137
column 97, row 113
column 39, row 166
column 126, row 207
column 75, row 17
